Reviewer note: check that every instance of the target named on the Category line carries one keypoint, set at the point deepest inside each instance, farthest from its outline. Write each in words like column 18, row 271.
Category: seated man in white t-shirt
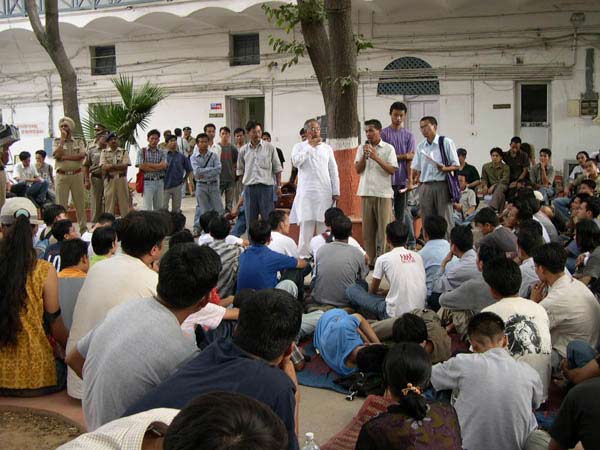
column 405, row 273
column 205, row 238
column 279, row 220
column 527, row 323
column 324, row 238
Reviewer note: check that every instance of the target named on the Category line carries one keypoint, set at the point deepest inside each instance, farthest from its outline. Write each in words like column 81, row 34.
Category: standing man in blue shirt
column 258, row 164
column 433, row 191
column 206, row 166
column 178, row 169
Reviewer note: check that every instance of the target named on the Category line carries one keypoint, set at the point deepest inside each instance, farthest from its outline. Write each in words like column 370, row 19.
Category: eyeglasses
column 315, row 128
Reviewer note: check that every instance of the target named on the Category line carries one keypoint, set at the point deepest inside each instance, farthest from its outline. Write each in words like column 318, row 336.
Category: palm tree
column 124, row 119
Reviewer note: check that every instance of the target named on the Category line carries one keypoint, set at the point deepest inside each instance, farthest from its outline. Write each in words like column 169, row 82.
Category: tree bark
column 49, row 38
column 342, row 116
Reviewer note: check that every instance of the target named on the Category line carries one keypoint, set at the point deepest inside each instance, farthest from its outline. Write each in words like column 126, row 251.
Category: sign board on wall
column 216, row 106
column 31, row 129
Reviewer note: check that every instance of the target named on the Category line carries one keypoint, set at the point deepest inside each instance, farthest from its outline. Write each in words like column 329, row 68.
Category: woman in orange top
column 28, row 306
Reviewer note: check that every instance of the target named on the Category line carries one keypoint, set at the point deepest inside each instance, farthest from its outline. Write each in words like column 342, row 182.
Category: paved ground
column 322, row 412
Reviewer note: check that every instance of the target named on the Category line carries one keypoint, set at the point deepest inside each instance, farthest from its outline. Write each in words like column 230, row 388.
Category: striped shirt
column 230, row 260
column 151, row 156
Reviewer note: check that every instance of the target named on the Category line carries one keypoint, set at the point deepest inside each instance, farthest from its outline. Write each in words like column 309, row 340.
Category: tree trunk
column 49, row 38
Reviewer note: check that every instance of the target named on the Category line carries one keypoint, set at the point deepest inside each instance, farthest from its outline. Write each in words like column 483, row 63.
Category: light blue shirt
column 429, row 171
column 433, row 253
column 207, row 167
column 457, row 272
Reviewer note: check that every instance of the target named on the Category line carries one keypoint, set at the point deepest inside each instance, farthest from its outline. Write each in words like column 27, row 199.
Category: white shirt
column 22, row 173
column 283, row 244
column 318, row 241
column 206, row 239
column 405, row 273
column 122, row 434
column 374, row 181
column 428, row 169
column 529, row 277
column 574, row 313
column 108, row 283
column 318, row 181
column 208, row 318
column 528, row 331
column 545, row 234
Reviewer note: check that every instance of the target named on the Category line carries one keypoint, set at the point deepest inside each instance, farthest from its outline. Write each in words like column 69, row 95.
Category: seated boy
column 50, row 215
column 62, row 230
column 459, row 305
column 74, row 260
column 140, row 342
column 405, row 273
column 339, row 265
column 497, row 394
column 527, row 324
column 493, row 233
column 206, row 238
column 326, row 237
column 259, row 264
column 429, row 333
column 343, row 339
column 219, row 229
column 104, row 243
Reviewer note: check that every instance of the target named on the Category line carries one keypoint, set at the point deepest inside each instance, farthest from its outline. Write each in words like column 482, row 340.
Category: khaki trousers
column 96, row 197
column 459, row 317
column 376, row 214
column 72, row 184
column 116, row 192
column 2, row 187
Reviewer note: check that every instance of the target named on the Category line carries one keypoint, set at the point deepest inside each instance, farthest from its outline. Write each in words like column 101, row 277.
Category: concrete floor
column 322, row 412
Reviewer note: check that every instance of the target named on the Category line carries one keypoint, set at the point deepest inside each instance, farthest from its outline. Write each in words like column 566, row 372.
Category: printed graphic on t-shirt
column 523, row 336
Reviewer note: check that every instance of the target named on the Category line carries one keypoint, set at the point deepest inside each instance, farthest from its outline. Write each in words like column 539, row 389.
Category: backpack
column 362, row 384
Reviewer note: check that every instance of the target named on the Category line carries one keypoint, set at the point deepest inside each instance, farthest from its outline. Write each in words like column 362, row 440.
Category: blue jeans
column 208, row 198
column 153, row 194
column 579, row 353
column 561, row 206
column 239, row 227
column 547, row 192
column 370, row 304
column 258, row 199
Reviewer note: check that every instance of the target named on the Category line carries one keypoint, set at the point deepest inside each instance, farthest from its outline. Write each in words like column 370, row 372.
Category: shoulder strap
column 445, row 159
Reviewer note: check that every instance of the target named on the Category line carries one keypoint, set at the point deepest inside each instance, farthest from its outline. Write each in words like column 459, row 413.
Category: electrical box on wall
column 589, row 108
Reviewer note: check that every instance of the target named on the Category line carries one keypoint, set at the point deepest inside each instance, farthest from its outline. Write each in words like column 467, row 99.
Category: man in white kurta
column 318, row 185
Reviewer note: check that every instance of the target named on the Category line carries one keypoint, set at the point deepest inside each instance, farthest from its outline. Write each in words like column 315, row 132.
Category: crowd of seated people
column 160, row 330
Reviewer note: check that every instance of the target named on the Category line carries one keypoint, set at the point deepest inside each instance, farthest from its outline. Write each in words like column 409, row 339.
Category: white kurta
column 318, row 181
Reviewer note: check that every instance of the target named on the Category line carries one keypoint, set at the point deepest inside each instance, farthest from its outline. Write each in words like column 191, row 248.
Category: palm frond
column 125, row 119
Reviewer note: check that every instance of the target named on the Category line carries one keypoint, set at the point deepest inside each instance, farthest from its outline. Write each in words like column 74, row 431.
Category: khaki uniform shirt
column 491, row 175
column 92, row 159
column 192, row 141
column 118, row 156
column 71, row 147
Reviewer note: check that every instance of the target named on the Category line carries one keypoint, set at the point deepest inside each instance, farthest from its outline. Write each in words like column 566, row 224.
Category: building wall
column 194, row 65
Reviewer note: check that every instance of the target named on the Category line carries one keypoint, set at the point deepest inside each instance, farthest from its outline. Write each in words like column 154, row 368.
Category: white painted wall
column 189, row 58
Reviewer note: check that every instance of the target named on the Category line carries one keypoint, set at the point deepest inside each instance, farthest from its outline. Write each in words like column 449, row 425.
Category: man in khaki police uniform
column 69, row 154
column 114, row 162
column 92, row 172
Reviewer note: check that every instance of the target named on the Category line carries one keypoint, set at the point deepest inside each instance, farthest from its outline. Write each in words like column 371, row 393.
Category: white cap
column 310, row 436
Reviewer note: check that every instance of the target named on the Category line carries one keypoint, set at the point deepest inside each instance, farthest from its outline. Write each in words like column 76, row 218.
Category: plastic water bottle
column 309, row 442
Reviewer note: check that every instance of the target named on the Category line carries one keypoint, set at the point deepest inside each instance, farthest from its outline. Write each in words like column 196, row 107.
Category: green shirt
column 97, row 258
column 491, row 175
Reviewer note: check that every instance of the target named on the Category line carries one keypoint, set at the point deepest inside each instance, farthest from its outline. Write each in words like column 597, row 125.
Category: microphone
column 367, row 142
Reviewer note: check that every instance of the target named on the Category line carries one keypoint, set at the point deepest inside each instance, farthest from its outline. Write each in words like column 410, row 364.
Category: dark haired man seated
column 219, row 420
column 340, row 265
column 259, row 264
column 256, row 362
column 140, row 342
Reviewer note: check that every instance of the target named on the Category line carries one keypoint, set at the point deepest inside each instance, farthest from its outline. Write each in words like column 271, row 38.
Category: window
column 408, row 87
column 245, row 49
column 534, row 104
column 104, row 60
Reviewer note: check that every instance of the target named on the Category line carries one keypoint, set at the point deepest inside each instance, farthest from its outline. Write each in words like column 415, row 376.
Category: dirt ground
column 22, row 428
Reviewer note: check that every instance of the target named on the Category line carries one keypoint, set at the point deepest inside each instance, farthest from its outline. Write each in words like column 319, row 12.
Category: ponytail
column 414, row 405
column 407, row 369
column 17, row 261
